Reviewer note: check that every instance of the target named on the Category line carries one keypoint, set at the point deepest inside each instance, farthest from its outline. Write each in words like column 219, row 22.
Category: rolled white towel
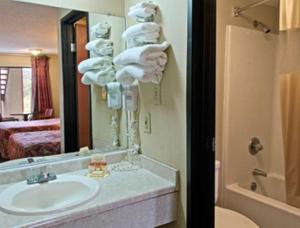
column 100, row 47
column 130, row 73
column 100, row 63
column 147, row 38
column 98, row 43
column 143, row 5
column 99, row 77
column 103, row 51
column 142, row 40
column 142, row 13
column 151, row 54
column 141, row 29
column 101, row 30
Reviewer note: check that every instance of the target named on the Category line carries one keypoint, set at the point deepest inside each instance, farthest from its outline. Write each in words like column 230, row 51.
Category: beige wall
column 167, row 142
column 13, row 60
column 25, row 61
column 267, row 14
column 115, row 7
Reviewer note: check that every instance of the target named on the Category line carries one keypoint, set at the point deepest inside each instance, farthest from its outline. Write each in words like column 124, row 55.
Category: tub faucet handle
column 255, row 146
column 259, row 172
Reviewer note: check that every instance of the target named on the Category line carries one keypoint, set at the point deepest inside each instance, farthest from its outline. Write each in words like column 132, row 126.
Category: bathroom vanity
column 143, row 197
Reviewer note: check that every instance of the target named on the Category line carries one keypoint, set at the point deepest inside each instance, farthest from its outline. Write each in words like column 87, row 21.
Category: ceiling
column 27, row 26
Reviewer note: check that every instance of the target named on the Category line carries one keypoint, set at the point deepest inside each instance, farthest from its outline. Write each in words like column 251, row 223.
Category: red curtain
column 41, row 92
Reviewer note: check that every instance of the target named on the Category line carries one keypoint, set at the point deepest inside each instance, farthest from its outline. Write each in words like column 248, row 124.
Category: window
column 15, row 90
column 26, row 72
column 3, row 81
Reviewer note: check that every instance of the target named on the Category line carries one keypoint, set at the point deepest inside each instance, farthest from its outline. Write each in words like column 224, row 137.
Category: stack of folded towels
column 145, row 64
column 97, row 70
column 142, row 11
column 145, row 60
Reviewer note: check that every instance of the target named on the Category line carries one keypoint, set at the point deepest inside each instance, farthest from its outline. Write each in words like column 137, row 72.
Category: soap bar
column 84, row 151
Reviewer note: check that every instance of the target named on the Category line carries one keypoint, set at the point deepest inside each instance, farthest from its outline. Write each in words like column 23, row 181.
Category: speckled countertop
column 116, row 190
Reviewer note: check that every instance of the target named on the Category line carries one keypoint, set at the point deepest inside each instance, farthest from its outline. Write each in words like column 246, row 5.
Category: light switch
column 147, row 123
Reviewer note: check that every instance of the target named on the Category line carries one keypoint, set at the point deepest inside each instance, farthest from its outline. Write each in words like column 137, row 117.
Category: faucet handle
column 50, row 171
column 255, row 146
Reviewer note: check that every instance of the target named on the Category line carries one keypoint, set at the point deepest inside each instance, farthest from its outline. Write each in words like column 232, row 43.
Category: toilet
column 225, row 218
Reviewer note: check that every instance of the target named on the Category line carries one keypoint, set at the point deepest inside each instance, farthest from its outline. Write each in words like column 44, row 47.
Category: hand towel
column 101, row 77
column 130, row 73
column 151, row 54
column 95, row 63
column 101, row 30
column 141, row 29
column 114, row 95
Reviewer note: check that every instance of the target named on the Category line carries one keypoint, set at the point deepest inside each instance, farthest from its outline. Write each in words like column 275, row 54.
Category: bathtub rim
column 236, row 188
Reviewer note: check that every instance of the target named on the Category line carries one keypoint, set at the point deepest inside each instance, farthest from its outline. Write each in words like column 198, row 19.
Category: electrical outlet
column 147, row 123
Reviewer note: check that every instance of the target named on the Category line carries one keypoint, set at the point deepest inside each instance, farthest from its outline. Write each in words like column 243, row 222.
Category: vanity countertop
column 116, row 190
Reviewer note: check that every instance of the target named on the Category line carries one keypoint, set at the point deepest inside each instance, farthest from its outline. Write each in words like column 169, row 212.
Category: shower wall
column 250, row 104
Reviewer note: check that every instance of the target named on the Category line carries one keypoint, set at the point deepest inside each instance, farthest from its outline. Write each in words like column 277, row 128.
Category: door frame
column 69, row 66
column 201, row 86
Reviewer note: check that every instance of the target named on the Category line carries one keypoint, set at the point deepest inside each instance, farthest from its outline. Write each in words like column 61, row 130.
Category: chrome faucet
column 42, row 177
column 259, row 172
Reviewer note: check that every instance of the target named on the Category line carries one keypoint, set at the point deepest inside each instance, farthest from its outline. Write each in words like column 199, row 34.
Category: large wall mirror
column 48, row 110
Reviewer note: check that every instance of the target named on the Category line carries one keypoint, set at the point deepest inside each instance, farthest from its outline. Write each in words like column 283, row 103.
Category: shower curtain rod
column 238, row 10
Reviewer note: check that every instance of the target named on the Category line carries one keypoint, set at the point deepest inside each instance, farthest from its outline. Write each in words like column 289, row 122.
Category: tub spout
column 259, row 172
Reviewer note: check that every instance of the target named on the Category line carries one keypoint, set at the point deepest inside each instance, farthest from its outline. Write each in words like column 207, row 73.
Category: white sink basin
column 66, row 192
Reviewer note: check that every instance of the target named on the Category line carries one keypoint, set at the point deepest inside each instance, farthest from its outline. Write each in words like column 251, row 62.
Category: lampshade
column 35, row 52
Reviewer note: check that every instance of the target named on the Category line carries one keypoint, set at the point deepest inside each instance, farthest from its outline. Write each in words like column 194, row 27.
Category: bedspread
column 9, row 128
column 32, row 144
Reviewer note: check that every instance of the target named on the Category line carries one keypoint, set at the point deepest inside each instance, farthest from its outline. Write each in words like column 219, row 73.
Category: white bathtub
column 266, row 206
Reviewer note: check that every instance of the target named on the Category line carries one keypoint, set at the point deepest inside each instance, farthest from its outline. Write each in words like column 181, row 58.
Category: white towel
column 151, row 54
column 114, row 95
column 103, row 51
column 100, row 63
column 100, row 47
column 141, row 29
column 101, row 30
column 99, row 77
column 147, row 38
column 98, row 43
column 141, row 13
column 130, row 73
column 143, row 5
